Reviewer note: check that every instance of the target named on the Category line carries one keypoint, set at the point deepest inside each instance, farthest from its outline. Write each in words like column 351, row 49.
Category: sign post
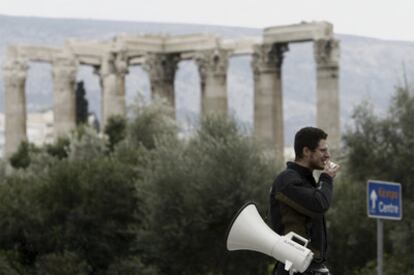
column 383, row 202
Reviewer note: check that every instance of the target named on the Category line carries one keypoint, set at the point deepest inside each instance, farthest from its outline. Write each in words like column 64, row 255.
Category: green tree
column 156, row 204
column 59, row 148
column 81, row 104
column 90, row 207
column 352, row 238
column 65, row 263
column 21, row 158
column 86, row 144
column 87, row 207
column 377, row 148
column 195, row 188
column 130, row 266
column 150, row 123
column 115, row 129
column 145, row 126
column 20, row 218
column 6, row 268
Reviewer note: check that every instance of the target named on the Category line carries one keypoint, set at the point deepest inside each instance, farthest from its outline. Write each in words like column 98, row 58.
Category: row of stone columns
column 212, row 67
column 268, row 96
column 212, row 64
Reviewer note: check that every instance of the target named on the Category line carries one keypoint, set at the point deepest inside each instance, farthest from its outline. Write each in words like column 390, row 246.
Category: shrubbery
column 377, row 147
column 141, row 201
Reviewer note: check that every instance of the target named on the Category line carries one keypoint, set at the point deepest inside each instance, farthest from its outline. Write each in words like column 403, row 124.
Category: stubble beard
column 317, row 165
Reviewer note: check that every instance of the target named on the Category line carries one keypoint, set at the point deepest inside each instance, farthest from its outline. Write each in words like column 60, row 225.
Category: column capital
column 15, row 71
column 213, row 62
column 268, row 57
column 161, row 67
column 64, row 66
column 326, row 53
column 113, row 63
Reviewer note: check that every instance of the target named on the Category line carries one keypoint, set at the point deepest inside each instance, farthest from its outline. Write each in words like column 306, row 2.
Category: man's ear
column 306, row 151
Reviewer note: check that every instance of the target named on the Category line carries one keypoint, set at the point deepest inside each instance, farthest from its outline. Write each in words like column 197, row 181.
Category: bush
column 21, row 158
column 377, row 148
column 87, row 207
column 146, row 203
column 66, row 263
column 6, row 268
column 115, row 129
column 195, row 189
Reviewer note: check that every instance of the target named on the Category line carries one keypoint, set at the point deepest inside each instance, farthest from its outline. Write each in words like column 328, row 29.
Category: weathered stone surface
column 14, row 73
column 243, row 46
column 298, row 32
column 112, row 72
column 190, row 43
column 159, row 55
column 139, row 45
column 88, row 52
column 32, row 53
column 327, row 53
column 268, row 58
column 161, row 69
column 64, row 102
column 327, row 73
column 268, row 104
column 212, row 67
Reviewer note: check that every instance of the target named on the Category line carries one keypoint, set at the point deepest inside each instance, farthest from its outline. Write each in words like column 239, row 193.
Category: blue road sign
column 384, row 200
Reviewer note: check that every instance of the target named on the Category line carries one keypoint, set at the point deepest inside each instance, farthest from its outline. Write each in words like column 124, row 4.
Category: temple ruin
column 159, row 56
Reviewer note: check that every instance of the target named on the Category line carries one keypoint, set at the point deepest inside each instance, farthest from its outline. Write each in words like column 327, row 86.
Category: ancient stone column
column 212, row 66
column 14, row 73
column 64, row 98
column 328, row 109
column 268, row 104
column 161, row 69
column 112, row 72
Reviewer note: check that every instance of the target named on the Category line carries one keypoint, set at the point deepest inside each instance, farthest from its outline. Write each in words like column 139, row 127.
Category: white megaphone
column 248, row 231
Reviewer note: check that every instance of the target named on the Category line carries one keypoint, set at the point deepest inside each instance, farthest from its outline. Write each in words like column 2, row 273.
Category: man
column 298, row 202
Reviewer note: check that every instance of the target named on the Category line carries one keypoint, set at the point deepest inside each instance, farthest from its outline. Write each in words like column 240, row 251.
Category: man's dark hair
column 308, row 137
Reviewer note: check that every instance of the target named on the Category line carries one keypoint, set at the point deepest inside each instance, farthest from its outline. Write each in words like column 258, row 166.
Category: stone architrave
column 268, row 104
column 64, row 97
column 212, row 67
column 112, row 72
column 328, row 109
column 14, row 73
column 161, row 69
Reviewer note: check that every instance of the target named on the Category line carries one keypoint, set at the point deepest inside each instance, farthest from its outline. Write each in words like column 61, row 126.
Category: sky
column 386, row 19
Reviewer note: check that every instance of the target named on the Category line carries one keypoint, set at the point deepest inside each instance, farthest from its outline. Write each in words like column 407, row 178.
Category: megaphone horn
column 248, row 231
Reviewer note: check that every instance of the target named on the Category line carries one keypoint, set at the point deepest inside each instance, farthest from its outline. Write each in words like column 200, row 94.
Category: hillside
column 370, row 69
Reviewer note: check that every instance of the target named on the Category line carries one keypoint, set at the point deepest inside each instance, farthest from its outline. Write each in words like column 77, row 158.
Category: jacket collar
column 304, row 171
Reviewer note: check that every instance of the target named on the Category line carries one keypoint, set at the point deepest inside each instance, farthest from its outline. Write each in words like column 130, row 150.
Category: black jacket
column 298, row 204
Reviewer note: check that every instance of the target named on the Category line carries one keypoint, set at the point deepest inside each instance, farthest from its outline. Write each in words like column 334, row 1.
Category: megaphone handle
column 290, row 235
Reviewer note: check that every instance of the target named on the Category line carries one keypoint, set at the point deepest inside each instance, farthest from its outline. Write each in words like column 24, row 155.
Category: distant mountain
column 370, row 69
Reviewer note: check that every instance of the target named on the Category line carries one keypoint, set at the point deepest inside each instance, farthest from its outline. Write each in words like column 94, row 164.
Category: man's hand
column 331, row 168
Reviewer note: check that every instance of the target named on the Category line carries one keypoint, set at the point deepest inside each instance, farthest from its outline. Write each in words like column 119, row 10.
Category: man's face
column 319, row 156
